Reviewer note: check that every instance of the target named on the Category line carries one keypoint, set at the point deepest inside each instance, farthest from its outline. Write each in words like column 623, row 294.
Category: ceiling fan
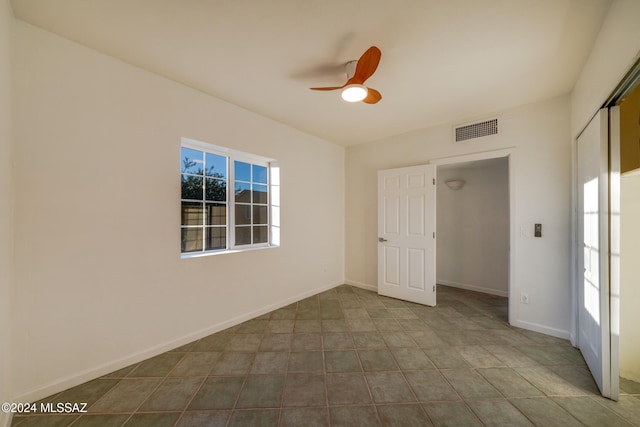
column 354, row 89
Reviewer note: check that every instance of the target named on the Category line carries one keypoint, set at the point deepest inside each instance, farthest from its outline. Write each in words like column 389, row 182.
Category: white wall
column 630, row 277
column 541, row 175
column 99, row 279
column 6, row 205
column 614, row 52
column 473, row 227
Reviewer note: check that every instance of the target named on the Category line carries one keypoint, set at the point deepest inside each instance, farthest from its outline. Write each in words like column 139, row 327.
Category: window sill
column 228, row 251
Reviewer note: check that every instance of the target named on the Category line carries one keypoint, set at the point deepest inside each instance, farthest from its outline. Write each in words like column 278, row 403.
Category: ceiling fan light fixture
column 354, row 93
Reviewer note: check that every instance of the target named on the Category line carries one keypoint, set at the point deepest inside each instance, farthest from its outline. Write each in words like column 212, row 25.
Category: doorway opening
column 409, row 218
column 475, row 225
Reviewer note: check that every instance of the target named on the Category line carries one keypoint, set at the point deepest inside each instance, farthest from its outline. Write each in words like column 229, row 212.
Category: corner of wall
column 361, row 285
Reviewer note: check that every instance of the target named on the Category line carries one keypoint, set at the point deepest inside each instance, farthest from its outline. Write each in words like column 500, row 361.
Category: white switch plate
column 524, row 298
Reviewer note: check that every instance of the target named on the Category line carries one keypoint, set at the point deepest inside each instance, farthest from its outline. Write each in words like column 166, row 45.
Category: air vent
column 476, row 130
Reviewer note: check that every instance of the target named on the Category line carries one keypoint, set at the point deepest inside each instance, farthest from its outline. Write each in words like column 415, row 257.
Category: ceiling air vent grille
column 476, row 130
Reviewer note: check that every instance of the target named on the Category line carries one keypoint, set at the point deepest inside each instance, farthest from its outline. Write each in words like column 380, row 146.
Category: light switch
column 537, row 230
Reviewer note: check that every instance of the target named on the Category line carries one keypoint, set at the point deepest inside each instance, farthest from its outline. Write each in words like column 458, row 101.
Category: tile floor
column 348, row 357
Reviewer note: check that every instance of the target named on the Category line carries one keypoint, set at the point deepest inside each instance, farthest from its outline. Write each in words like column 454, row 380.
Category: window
column 214, row 218
column 251, row 203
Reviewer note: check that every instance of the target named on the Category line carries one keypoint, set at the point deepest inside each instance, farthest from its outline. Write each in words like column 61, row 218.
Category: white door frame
column 615, row 235
column 496, row 154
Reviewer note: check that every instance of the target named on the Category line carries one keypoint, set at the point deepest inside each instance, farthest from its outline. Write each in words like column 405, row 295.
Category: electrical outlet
column 524, row 298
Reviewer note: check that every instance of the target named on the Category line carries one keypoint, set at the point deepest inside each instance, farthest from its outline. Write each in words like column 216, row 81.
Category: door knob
column 381, row 239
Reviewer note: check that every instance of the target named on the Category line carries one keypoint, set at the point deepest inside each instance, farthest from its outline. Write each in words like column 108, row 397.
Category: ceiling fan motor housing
column 350, row 68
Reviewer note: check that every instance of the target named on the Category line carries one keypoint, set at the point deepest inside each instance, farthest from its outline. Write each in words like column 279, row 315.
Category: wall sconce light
column 455, row 184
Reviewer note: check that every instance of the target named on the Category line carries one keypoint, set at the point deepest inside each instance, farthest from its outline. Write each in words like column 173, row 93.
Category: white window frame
column 273, row 197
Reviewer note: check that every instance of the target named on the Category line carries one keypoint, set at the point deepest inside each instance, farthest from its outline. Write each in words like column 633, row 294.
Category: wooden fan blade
column 367, row 65
column 327, row 88
column 373, row 96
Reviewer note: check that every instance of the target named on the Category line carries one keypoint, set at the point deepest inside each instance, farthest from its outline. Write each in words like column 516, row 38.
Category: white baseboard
column 5, row 419
column 535, row 327
column 473, row 288
column 372, row 288
column 104, row 369
column 558, row 333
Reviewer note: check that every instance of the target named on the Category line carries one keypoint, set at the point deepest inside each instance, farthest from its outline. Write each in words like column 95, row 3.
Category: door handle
column 381, row 239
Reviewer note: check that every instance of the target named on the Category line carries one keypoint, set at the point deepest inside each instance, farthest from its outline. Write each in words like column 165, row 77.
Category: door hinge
column 434, row 181
column 434, row 288
column 434, row 234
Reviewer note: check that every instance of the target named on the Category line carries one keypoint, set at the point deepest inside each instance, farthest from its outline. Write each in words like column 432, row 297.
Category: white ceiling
column 442, row 60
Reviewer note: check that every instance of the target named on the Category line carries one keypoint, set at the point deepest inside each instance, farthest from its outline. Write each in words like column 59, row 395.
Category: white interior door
column 406, row 234
column 593, row 256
